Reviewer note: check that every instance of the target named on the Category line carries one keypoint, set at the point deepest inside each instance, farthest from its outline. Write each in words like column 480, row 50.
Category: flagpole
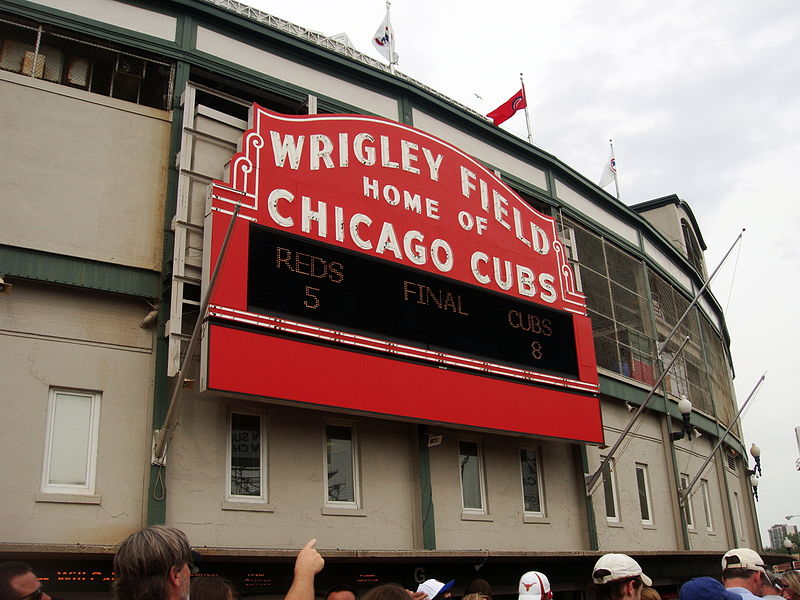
column 527, row 117
column 614, row 156
column 392, row 54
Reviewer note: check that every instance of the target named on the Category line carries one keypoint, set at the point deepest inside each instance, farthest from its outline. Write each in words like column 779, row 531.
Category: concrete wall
column 296, row 509
column 53, row 336
column 78, row 194
column 504, row 527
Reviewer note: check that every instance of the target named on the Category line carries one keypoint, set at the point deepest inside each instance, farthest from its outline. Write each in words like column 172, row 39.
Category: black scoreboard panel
column 315, row 283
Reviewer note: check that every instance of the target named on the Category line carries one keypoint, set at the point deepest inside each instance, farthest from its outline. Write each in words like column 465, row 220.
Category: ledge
column 67, row 498
column 247, row 506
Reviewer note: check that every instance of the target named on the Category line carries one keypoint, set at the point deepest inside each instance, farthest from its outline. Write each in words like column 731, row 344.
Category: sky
column 702, row 100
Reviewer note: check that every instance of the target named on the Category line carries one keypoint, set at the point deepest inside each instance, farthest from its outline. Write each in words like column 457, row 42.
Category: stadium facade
column 404, row 428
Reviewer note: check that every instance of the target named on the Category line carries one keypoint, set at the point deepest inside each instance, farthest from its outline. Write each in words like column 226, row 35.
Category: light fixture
column 434, row 440
column 755, row 452
column 754, row 485
column 787, row 543
column 685, row 408
column 5, row 288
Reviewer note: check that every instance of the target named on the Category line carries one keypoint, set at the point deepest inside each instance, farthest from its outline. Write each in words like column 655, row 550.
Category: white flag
column 609, row 171
column 383, row 40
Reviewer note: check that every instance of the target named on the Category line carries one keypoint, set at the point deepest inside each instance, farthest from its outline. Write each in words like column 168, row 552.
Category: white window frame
column 356, row 502
column 688, row 510
column 481, row 481
column 539, row 481
column 641, row 467
column 263, row 497
column 612, row 477
column 706, row 493
column 93, row 430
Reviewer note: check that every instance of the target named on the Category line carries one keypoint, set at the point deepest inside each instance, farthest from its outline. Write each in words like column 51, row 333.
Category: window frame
column 645, row 479
column 263, row 497
column 539, row 482
column 688, row 509
column 612, row 479
column 355, row 461
column 483, row 510
column 93, row 431
column 706, row 495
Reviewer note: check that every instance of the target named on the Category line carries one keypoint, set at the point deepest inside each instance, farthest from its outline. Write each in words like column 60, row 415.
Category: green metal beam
column 78, row 272
column 426, row 492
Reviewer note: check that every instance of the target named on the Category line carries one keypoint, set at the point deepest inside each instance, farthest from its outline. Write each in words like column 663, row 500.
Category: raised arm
column 306, row 566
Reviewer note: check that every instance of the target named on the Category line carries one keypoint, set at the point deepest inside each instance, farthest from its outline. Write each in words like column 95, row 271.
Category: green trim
column 78, row 272
column 426, row 492
column 156, row 493
column 591, row 522
column 406, row 111
column 734, row 538
column 635, row 395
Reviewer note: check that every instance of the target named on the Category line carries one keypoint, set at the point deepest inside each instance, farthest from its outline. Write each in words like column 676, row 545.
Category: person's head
column 341, row 592
column 435, row 588
column 770, row 585
column 476, row 596
column 791, row 585
column 706, row 588
column 650, row 593
column 534, row 585
column 19, row 582
column 155, row 562
column 618, row 577
column 388, row 591
column 212, row 588
column 478, row 586
column 743, row 567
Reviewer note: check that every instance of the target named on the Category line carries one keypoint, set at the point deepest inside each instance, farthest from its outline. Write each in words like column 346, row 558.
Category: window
column 706, row 504
column 469, row 461
column 531, row 482
column 688, row 513
column 90, row 64
column 610, row 492
column 643, row 486
column 70, row 456
column 342, row 471
column 247, row 481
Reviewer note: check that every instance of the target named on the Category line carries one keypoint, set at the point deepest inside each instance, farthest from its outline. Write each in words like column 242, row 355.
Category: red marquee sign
column 376, row 268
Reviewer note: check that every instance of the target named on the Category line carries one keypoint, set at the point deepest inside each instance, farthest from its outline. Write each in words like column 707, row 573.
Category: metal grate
column 44, row 53
column 613, row 282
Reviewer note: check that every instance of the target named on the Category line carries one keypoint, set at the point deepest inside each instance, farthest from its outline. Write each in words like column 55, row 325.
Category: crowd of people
column 157, row 563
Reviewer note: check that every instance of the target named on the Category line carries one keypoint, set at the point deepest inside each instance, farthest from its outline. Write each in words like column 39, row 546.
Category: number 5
column 310, row 294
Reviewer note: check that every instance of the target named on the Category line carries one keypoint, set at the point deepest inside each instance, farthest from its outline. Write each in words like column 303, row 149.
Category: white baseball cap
column 433, row 587
column 612, row 567
column 534, row 585
column 743, row 558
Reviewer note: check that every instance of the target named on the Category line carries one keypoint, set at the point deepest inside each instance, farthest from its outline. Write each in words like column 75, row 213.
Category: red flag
column 506, row 110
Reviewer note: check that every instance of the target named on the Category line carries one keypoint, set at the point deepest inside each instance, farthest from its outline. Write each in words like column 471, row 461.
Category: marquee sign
column 376, row 268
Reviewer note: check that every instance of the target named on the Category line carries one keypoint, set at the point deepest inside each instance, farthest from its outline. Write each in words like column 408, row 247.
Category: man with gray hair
column 155, row 563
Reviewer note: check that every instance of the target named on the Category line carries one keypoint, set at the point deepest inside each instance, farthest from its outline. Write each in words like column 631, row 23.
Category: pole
column 698, row 294
column 685, row 492
column 164, row 435
column 527, row 116
column 593, row 479
column 614, row 158
column 392, row 53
